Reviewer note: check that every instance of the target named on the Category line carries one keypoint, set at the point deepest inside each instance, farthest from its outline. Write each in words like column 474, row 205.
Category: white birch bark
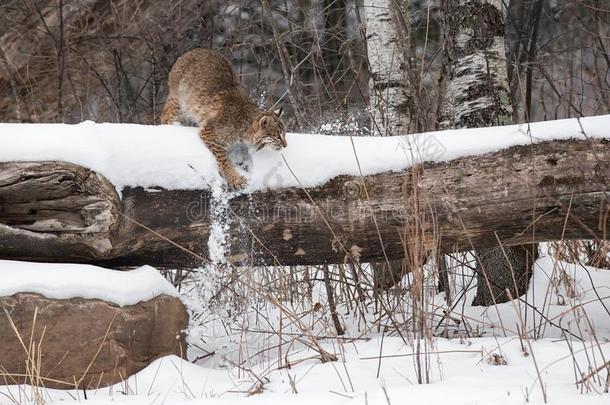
column 477, row 94
column 388, row 79
column 388, row 92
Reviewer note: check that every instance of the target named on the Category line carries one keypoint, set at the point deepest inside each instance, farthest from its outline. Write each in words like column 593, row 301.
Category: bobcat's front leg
column 219, row 150
column 171, row 110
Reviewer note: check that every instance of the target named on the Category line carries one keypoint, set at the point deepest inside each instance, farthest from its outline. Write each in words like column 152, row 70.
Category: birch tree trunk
column 387, row 36
column 388, row 46
column 477, row 95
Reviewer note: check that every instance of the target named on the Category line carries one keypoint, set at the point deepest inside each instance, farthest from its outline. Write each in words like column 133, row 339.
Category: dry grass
column 278, row 316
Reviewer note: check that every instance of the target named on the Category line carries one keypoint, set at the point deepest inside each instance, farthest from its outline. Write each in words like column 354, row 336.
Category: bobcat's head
column 270, row 131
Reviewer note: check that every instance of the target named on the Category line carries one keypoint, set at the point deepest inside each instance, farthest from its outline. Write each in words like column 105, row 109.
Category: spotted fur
column 204, row 88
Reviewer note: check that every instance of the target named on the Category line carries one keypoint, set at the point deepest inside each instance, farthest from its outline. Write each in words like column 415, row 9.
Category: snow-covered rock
column 90, row 326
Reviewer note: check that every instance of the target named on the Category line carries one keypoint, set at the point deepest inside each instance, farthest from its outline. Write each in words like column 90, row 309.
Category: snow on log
column 543, row 184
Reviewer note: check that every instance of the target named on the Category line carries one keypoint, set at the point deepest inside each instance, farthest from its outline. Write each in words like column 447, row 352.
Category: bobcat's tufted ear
column 278, row 112
column 264, row 121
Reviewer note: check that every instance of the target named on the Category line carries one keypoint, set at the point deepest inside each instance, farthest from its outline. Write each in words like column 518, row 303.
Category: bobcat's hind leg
column 221, row 154
column 171, row 110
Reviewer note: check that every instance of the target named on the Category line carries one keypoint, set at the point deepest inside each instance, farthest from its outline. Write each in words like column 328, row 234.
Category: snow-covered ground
column 460, row 370
column 377, row 369
column 174, row 157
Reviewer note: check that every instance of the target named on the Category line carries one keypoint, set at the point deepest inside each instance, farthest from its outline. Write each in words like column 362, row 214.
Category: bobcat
column 204, row 88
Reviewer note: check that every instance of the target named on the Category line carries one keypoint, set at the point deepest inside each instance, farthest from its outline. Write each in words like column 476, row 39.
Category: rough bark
column 520, row 195
column 478, row 95
column 507, row 269
column 56, row 210
column 84, row 342
column 477, row 92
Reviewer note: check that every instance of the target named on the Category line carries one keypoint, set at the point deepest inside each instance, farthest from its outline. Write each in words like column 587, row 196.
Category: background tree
column 477, row 94
column 388, row 45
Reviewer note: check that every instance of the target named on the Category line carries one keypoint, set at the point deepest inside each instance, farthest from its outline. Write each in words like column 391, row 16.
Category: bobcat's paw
column 237, row 182
column 165, row 119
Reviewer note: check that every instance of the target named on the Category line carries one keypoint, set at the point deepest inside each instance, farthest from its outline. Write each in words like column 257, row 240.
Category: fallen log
column 55, row 211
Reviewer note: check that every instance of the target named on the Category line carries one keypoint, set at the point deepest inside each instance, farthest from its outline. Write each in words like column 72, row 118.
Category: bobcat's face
column 271, row 132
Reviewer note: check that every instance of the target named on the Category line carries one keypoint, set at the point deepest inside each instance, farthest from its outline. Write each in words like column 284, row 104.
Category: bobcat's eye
column 282, row 140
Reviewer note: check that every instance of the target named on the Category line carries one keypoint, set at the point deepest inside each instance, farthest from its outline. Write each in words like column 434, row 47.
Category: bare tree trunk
column 523, row 19
column 330, row 297
column 388, row 47
column 334, row 34
column 477, row 92
column 387, row 41
column 477, row 95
